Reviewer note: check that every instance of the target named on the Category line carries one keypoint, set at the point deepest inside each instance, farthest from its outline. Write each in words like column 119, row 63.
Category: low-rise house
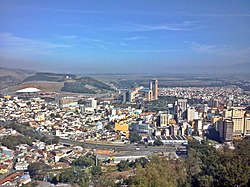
column 4, row 169
column 21, row 166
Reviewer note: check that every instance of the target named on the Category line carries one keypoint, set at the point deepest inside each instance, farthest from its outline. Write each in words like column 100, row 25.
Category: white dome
column 28, row 90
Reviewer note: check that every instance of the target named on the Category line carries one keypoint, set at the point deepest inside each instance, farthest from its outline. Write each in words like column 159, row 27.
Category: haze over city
column 130, row 36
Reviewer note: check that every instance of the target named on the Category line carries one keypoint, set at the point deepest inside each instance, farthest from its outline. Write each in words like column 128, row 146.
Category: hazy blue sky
column 123, row 35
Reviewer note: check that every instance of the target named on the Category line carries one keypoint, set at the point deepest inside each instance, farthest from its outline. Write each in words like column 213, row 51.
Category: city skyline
column 122, row 37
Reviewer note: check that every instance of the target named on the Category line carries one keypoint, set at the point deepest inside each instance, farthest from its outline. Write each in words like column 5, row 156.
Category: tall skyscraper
column 181, row 108
column 154, row 87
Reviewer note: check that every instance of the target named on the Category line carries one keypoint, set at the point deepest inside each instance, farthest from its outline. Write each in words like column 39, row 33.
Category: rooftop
column 28, row 90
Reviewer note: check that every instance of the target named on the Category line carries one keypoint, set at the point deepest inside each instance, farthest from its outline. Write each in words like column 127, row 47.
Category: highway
column 116, row 147
column 124, row 147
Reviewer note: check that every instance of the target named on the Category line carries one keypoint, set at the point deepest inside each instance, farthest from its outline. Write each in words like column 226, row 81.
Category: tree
column 150, row 144
column 142, row 161
column 84, row 161
column 12, row 141
column 67, row 176
column 123, row 165
column 134, row 137
column 106, row 181
column 159, row 172
column 38, row 170
column 52, row 115
column 73, row 176
column 210, row 167
column 158, row 143
column 96, row 170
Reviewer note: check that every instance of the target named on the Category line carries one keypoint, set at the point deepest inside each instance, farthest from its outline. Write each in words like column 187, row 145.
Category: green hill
column 17, row 79
column 49, row 77
column 76, row 87
column 86, row 85
column 93, row 82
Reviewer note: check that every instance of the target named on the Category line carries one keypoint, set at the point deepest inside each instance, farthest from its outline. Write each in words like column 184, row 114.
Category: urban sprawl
column 59, row 128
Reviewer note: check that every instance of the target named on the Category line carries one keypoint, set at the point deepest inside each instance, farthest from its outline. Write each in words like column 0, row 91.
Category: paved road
column 116, row 147
column 128, row 147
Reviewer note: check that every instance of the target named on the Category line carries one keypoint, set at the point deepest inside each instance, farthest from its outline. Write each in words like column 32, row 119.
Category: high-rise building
column 198, row 126
column 154, row 87
column 236, row 115
column 148, row 95
column 190, row 114
column 181, row 108
column 238, row 128
column 90, row 105
column 219, row 127
column 68, row 102
column 227, row 130
column 247, row 124
column 162, row 120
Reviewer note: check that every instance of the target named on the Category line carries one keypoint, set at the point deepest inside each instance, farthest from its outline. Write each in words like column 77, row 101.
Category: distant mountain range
column 11, row 80
column 11, row 77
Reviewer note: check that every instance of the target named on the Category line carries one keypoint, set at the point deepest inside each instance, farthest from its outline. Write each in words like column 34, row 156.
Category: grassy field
column 45, row 86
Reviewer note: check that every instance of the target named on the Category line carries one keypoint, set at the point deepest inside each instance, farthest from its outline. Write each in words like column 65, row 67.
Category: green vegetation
column 207, row 166
column 106, row 180
column 128, row 83
column 79, row 86
column 95, row 83
column 96, row 170
column 82, row 170
column 158, row 143
column 175, row 81
column 48, row 77
column 123, row 165
column 126, row 165
column 204, row 167
column 161, row 103
column 29, row 135
column 41, row 77
column 38, row 170
column 134, row 137
column 72, row 176
column 160, row 172
column 84, row 161
column 12, row 141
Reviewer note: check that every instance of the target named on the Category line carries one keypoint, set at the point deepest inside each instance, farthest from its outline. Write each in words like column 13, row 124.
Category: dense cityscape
column 44, row 139
column 122, row 93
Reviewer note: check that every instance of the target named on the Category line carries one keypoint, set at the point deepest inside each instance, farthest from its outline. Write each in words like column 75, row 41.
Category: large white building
column 90, row 105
